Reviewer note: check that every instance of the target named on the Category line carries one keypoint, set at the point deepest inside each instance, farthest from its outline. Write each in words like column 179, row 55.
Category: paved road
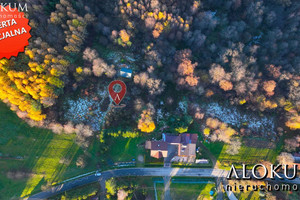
column 162, row 172
column 193, row 172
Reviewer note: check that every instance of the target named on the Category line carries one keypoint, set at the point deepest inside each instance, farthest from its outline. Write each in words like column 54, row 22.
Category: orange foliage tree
column 269, row 87
column 293, row 122
column 146, row 123
column 225, row 85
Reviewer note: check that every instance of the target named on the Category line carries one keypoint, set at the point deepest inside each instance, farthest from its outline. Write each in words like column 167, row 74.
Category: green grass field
column 125, row 149
column 191, row 191
column 246, row 155
column 40, row 153
column 183, row 191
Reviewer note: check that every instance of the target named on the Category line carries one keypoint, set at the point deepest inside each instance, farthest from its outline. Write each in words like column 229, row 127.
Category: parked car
column 97, row 173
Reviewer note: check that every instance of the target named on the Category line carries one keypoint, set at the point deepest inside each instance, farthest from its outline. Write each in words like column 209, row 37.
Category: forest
column 183, row 53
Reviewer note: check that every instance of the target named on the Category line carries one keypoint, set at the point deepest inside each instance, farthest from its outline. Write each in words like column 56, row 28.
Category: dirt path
column 167, row 183
column 105, row 113
column 219, row 185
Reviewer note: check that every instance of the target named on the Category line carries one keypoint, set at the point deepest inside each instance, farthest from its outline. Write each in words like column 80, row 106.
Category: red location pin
column 117, row 91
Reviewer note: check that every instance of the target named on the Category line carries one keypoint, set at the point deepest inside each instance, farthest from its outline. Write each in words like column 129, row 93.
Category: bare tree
column 90, row 54
column 217, row 73
column 285, row 158
column 291, row 144
column 234, row 146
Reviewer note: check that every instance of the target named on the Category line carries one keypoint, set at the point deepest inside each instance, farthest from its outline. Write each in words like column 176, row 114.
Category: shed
column 126, row 72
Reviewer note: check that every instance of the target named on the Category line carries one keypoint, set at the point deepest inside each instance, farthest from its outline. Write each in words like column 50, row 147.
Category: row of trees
column 74, row 26
column 35, row 85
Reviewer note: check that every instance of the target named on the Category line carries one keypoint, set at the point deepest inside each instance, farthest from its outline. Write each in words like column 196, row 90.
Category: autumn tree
column 293, row 121
column 285, row 158
column 220, row 131
column 225, row 85
column 34, row 87
column 186, row 69
column 269, row 87
column 154, row 85
column 273, row 71
column 146, row 123
column 90, row 54
column 110, row 186
column 124, row 38
column 212, row 123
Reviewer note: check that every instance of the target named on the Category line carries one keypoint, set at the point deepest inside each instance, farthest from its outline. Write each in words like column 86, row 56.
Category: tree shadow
column 47, row 162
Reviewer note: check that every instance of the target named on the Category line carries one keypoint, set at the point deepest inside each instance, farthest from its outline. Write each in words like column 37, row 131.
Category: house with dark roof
column 159, row 149
column 183, row 145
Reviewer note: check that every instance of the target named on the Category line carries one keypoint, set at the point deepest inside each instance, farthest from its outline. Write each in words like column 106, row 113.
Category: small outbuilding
column 126, row 72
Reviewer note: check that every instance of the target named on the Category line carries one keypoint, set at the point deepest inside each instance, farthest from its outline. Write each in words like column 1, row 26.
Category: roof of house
column 187, row 138
column 171, row 138
column 159, row 145
column 184, row 138
column 186, row 145
column 189, row 150
column 127, row 70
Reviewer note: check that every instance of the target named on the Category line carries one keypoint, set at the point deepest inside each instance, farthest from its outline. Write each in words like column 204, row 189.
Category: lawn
column 246, row 155
column 181, row 191
column 191, row 191
column 32, row 150
column 125, row 149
